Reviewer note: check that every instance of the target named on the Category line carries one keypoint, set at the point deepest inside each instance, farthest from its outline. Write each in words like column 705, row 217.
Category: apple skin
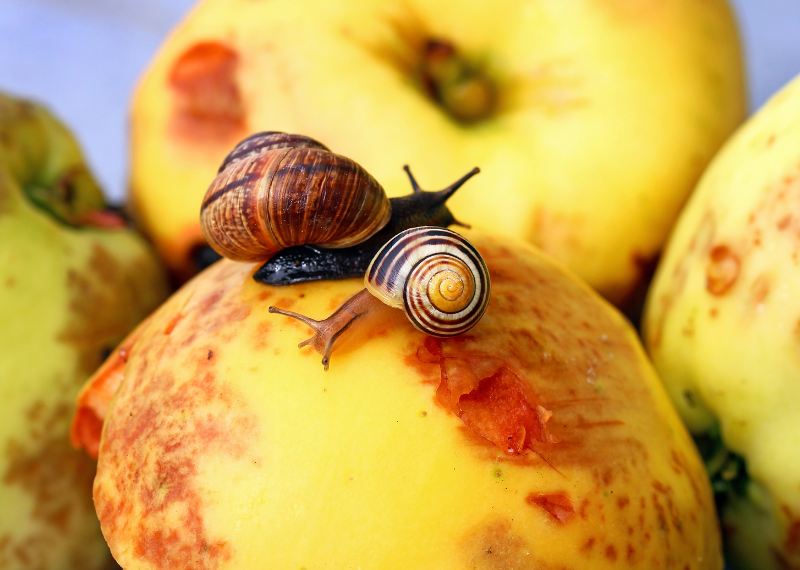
column 722, row 325
column 226, row 446
column 68, row 294
column 608, row 111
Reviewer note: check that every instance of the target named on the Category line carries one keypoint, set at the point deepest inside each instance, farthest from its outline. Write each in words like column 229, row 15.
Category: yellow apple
column 591, row 120
column 540, row 439
column 73, row 281
column 723, row 328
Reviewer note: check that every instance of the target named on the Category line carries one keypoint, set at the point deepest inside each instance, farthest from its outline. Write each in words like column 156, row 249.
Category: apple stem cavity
column 461, row 88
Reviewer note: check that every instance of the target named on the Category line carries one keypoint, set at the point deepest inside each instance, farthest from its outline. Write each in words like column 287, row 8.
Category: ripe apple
column 723, row 327
column 73, row 281
column 591, row 120
column 540, row 439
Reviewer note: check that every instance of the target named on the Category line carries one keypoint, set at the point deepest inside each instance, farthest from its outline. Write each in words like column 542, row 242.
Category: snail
column 275, row 192
column 315, row 215
column 434, row 274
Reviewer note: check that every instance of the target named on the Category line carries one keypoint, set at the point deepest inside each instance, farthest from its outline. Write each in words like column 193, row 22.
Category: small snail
column 435, row 275
column 277, row 190
column 287, row 199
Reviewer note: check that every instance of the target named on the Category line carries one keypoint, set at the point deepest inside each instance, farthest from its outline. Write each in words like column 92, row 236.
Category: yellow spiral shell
column 436, row 276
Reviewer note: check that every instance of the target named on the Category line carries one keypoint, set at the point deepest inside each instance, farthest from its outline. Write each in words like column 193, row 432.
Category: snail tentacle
column 305, row 263
column 331, row 332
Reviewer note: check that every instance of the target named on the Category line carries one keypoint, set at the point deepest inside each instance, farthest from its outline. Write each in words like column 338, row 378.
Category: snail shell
column 436, row 276
column 277, row 190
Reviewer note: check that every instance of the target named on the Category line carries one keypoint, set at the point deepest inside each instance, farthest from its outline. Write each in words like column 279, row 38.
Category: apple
column 723, row 328
column 590, row 120
column 540, row 439
column 74, row 279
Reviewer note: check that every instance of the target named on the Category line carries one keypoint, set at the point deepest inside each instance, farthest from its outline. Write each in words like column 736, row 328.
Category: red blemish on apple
column 582, row 511
column 760, row 289
column 489, row 397
column 722, row 270
column 558, row 505
column 500, row 410
column 97, row 393
column 208, row 103
column 792, row 542
column 611, row 552
column 623, row 502
column 588, row 545
column 172, row 322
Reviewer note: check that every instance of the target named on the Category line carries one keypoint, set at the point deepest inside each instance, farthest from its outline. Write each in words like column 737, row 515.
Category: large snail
column 317, row 215
column 277, row 190
column 435, row 275
column 274, row 186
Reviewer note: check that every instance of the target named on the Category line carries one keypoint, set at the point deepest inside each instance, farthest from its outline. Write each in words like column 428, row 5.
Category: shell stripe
column 400, row 273
column 385, row 273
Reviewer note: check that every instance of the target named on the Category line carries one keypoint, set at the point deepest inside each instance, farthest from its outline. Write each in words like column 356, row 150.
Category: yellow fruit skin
column 609, row 110
column 723, row 324
column 228, row 447
column 67, row 295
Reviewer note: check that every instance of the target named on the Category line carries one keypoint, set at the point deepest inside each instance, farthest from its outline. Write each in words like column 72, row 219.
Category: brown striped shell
column 276, row 190
column 436, row 276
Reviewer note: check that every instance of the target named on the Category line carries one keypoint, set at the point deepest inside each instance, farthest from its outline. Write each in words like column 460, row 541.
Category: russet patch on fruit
column 721, row 325
column 541, row 437
column 73, row 281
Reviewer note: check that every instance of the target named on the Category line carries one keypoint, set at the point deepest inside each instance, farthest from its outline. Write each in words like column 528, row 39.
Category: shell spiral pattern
column 278, row 190
column 436, row 276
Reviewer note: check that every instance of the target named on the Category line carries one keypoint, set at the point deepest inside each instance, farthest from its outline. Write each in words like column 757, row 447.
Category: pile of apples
column 609, row 138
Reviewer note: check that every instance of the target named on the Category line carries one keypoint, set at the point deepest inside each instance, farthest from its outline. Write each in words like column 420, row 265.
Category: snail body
column 435, row 275
column 272, row 194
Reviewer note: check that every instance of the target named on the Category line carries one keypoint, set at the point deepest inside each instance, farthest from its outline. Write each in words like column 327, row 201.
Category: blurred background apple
column 44, row 46
column 58, row 51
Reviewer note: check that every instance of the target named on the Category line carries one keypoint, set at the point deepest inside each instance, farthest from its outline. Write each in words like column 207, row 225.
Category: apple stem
column 464, row 90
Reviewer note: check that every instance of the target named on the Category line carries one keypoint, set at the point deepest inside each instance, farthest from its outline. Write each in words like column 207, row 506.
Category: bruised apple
column 74, row 280
column 591, row 120
column 723, row 329
column 542, row 438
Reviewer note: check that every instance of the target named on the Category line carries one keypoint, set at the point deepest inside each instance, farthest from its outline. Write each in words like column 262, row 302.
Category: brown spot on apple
column 784, row 222
column 97, row 393
column 722, row 270
column 759, row 290
column 57, row 478
column 495, row 546
column 208, row 105
column 611, row 552
column 155, row 507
